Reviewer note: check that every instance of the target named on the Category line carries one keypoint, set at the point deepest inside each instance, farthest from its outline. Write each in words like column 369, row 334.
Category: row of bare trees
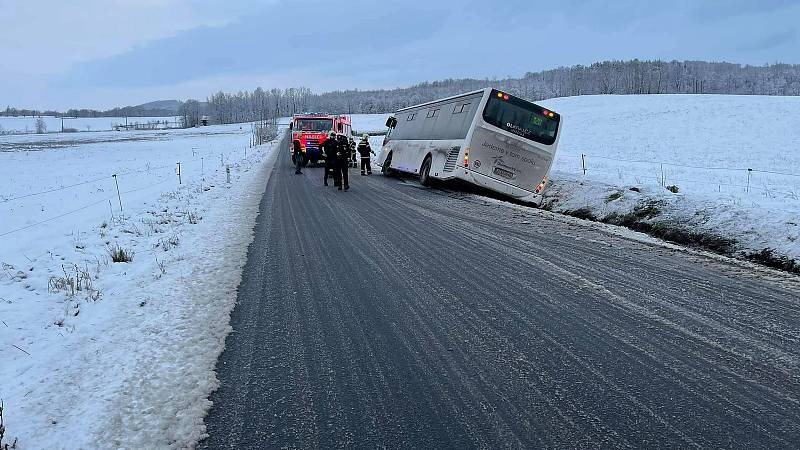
column 609, row 77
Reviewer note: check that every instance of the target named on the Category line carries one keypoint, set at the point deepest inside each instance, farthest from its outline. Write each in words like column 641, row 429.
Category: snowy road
column 402, row 317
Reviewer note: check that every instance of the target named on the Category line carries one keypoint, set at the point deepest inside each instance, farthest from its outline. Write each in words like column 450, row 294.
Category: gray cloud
column 366, row 44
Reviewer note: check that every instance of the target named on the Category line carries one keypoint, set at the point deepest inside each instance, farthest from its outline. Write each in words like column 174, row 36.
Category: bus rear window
column 522, row 118
column 317, row 125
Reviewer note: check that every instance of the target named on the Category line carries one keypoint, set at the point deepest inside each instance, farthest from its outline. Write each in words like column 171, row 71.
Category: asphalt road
column 394, row 316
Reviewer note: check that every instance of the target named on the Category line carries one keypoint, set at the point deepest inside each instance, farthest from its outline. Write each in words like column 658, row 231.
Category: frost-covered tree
column 191, row 111
column 41, row 126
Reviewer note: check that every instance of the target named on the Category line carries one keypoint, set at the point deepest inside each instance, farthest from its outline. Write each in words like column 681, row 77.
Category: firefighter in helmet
column 364, row 150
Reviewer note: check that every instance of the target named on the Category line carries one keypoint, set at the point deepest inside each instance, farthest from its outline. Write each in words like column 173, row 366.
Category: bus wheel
column 385, row 169
column 425, row 172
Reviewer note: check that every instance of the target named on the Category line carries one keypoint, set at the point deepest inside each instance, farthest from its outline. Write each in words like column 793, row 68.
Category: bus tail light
column 466, row 158
column 541, row 185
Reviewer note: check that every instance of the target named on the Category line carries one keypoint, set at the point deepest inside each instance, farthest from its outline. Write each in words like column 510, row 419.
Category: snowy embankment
column 97, row 353
column 703, row 145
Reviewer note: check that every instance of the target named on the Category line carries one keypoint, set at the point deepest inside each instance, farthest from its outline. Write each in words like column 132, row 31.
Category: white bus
column 486, row 137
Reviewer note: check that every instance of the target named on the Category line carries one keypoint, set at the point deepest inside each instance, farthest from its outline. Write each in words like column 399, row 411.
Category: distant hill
column 163, row 105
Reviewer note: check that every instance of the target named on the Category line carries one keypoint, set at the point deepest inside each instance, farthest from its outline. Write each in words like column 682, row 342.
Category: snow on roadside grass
column 704, row 137
column 763, row 235
column 97, row 353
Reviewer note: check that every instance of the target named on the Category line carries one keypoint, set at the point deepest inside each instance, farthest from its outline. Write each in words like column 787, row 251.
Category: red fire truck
column 312, row 130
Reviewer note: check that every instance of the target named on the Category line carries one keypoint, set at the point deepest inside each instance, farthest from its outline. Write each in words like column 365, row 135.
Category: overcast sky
column 105, row 53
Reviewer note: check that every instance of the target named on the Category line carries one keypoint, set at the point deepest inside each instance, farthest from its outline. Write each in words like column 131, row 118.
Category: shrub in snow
column 120, row 255
column 193, row 217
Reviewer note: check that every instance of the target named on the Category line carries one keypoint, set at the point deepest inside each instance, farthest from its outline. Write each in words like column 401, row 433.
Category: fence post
column 749, row 171
column 179, row 172
column 583, row 163
column 119, row 197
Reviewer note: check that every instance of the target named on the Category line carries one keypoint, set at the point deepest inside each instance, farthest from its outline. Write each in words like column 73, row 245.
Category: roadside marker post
column 749, row 172
column 119, row 197
column 179, row 172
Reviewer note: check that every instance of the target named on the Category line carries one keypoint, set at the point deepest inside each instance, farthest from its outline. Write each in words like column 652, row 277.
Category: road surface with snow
column 402, row 317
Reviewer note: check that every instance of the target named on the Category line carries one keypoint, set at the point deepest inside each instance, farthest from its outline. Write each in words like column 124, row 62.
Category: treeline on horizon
column 608, row 77
column 127, row 111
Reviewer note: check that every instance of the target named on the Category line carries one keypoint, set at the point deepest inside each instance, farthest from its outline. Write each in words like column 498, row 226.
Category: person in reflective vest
column 365, row 150
column 352, row 146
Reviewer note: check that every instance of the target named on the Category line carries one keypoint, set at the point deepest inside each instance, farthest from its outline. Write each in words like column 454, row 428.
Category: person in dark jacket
column 298, row 156
column 352, row 145
column 343, row 162
column 329, row 148
column 365, row 150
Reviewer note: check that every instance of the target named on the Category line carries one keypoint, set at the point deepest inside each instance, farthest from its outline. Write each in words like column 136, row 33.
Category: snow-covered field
column 95, row 353
column 369, row 123
column 53, row 124
column 705, row 144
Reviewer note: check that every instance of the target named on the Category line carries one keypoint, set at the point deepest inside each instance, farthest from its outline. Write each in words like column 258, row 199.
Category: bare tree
column 41, row 126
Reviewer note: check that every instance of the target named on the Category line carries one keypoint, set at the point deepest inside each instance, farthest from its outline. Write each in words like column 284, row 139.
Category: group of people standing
column 339, row 153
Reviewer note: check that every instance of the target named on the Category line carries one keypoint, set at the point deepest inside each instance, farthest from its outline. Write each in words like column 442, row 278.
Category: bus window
column 521, row 118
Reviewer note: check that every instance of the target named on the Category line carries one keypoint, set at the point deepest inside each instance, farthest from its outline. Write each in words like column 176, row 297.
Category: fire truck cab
column 312, row 129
